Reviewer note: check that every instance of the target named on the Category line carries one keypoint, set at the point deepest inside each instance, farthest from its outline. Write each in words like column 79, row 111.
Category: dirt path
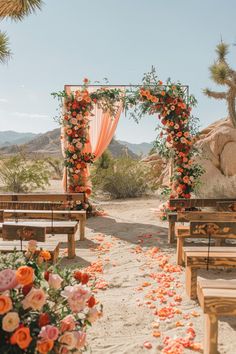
column 141, row 288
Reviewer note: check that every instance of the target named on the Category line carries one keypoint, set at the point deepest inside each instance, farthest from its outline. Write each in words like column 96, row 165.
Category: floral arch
column 171, row 103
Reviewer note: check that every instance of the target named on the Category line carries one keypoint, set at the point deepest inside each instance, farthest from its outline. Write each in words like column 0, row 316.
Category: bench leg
column 56, row 254
column 71, row 245
column 180, row 245
column 211, row 334
column 191, row 282
column 82, row 229
column 171, row 232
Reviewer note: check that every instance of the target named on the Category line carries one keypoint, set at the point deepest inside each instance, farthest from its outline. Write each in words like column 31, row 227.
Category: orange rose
column 25, row 275
column 21, row 337
column 5, row 304
column 45, row 255
column 44, row 346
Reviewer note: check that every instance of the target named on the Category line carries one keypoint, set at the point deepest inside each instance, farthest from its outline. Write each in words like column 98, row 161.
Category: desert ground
column 145, row 308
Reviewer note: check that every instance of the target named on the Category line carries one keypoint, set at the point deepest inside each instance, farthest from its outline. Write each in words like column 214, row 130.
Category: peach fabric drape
column 101, row 131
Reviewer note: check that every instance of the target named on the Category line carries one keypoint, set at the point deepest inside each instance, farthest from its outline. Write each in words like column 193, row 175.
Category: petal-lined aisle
column 140, row 286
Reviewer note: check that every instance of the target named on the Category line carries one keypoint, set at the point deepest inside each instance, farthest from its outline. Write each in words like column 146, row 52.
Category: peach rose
column 10, row 322
column 5, row 304
column 32, row 246
column 7, row 279
column 21, row 337
column 68, row 323
column 44, row 346
column 35, row 299
column 69, row 340
column 55, row 281
column 93, row 315
column 49, row 332
column 25, row 275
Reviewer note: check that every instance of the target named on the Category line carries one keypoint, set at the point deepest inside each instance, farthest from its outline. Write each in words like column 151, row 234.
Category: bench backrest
column 35, row 206
column 198, row 202
column 226, row 206
column 24, row 233
column 188, row 216
column 213, row 228
column 42, row 197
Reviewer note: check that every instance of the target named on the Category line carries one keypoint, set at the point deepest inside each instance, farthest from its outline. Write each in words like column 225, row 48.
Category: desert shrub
column 56, row 166
column 124, row 178
column 19, row 175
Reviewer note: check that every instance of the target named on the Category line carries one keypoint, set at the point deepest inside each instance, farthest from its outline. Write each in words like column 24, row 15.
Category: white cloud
column 29, row 115
column 3, row 100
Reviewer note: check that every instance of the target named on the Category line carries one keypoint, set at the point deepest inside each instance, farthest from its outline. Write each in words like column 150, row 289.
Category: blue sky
column 120, row 40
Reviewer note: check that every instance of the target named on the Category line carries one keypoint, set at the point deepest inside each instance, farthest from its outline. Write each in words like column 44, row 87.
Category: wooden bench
column 73, row 215
column 58, row 227
column 43, row 201
column 180, row 204
column 197, row 258
column 16, row 237
column 203, row 224
column 217, row 298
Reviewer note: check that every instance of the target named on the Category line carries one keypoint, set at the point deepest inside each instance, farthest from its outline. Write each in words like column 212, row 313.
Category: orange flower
column 25, row 275
column 46, row 255
column 44, row 346
column 21, row 337
column 163, row 93
column 5, row 304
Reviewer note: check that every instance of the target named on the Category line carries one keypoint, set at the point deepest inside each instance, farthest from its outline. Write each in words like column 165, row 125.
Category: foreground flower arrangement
column 43, row 309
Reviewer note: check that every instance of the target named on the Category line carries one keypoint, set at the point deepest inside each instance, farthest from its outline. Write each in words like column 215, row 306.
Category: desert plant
column 223, row 74
column 57, row 166
column 5, row 52
column 16, row 10
column 126, row 178
column 19, row 175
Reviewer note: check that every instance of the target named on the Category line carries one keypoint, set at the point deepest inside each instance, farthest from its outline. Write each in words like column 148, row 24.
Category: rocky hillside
column 48, row 144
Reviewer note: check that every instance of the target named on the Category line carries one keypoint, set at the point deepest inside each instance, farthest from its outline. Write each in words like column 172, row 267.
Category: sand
column 123, row 242
column 130, row 246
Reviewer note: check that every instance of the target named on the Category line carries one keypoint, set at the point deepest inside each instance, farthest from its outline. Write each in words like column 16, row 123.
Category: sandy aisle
column 144, row 296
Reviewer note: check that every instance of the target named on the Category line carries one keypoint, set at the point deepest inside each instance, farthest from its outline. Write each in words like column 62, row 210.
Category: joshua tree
column 16, row 10
column 223, row 74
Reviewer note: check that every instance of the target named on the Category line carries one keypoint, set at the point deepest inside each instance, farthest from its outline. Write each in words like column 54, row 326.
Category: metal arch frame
column 184, row 87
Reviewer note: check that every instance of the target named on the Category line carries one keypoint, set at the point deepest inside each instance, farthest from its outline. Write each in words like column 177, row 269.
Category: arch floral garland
column 169, row 102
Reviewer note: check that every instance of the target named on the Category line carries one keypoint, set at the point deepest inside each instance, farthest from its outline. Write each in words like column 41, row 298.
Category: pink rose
column 76, row 296
column 68, row 323
column 49, row 333
column 35, row 299
column 68, row 339
column 54, row 281
column 81, row 339
column 7, row 279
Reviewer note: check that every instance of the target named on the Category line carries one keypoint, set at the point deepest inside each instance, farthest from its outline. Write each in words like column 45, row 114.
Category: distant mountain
column 10, row 137
column 138, row 149
column 49, row 144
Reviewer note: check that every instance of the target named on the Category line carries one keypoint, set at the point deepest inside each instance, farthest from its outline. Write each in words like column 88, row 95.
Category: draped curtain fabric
column 101, row 131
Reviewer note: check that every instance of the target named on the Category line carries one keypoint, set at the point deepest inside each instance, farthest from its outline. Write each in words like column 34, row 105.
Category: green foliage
column 124, row 178
column 16, row 10
column 19, row 175
column 5, row 52
column 223, row 74
column 219, row 73
column 57, row 167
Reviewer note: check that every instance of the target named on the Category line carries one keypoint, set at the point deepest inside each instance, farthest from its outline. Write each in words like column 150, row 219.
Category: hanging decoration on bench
column 170, row 102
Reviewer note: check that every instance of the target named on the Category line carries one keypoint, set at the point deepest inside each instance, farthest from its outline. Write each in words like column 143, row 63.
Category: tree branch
column 214, row 94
